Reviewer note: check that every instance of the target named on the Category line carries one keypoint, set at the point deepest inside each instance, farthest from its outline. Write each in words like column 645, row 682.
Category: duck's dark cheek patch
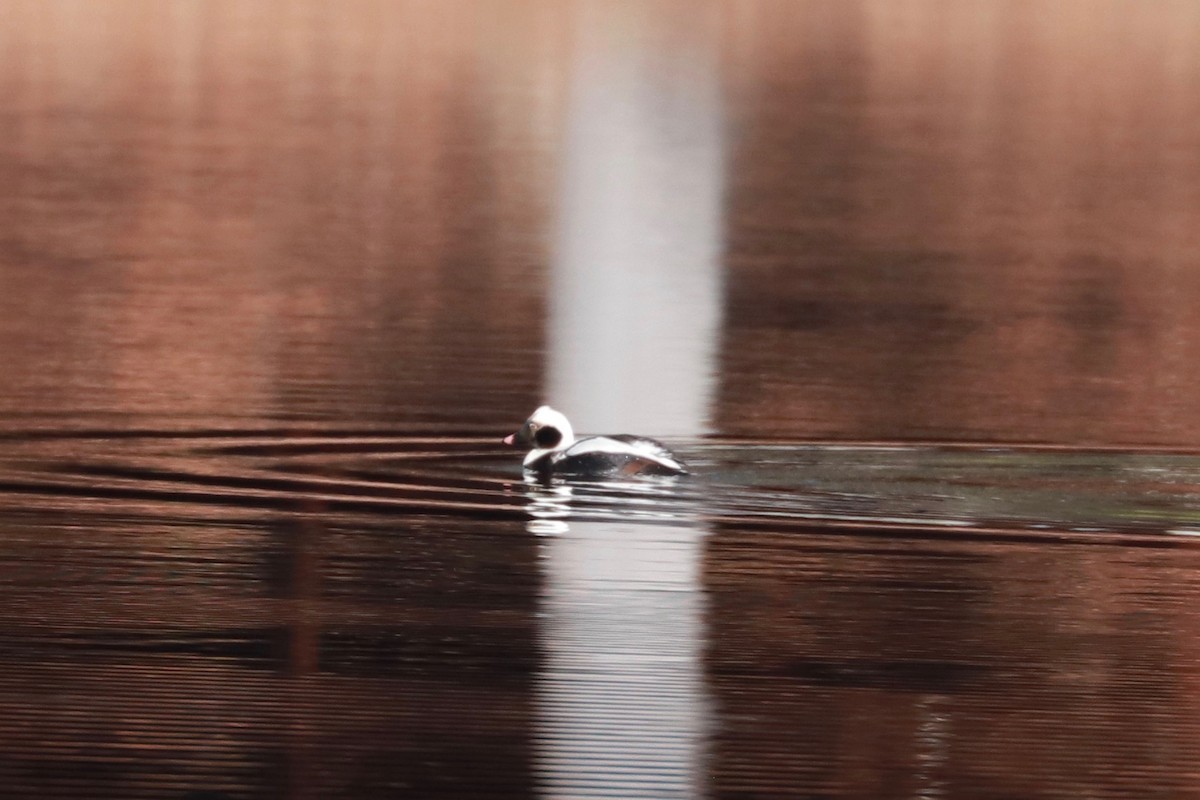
column 547, row 437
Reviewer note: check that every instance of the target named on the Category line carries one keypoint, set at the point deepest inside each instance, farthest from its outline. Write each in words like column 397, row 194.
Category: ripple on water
column 783, row 621
column 967, row 491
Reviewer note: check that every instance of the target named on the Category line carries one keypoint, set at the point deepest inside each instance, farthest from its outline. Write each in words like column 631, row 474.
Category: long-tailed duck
column 556, row 451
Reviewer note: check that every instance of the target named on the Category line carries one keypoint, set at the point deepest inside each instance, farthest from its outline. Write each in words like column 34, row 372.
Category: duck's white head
column 545, row 431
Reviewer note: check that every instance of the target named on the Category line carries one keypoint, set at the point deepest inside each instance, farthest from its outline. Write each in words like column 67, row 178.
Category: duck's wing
column 643, row 445
column 636, row 446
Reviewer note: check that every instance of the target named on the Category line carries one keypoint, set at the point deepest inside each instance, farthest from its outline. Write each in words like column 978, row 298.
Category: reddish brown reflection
column 256, row 209
column 966, row 222
column 897, row 668
column 153, row 659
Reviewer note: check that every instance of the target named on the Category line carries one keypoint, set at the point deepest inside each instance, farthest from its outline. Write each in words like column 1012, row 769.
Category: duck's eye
column 548, row 436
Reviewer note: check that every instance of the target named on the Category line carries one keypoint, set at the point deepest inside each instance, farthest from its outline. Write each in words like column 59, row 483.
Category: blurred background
column 864, row 220
column 275, row 277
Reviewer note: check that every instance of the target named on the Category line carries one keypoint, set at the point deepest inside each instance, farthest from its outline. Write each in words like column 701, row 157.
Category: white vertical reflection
column 634, row 318
column 635, row 291
column 622, row 708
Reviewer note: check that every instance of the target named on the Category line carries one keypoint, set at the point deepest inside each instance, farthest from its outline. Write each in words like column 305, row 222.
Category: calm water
column 911, row 286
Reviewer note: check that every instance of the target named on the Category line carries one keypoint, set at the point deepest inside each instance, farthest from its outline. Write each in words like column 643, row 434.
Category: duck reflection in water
column 554, row 501
column 555, row 452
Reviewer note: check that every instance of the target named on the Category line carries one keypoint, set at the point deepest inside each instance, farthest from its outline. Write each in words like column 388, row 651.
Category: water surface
column 909, row 287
